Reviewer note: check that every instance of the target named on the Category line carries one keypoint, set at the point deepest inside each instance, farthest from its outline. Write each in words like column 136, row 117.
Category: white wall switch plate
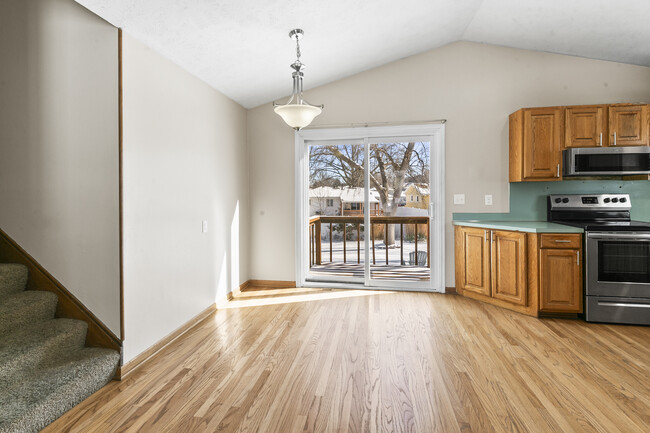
column 204, row 226
column 488, row 199
column 459, row 198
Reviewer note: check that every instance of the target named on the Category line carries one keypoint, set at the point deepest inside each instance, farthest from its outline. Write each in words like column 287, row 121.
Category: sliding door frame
column 435, row 134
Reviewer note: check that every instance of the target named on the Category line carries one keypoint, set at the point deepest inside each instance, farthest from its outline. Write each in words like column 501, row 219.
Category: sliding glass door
column 369, row 207
column 399, row 235
column 336, row 203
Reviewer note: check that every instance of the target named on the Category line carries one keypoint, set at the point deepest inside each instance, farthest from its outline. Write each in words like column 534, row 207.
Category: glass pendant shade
column 297, row 112
column 298, row 115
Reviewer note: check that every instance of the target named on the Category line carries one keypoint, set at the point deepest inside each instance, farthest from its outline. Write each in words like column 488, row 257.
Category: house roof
column 242, row 48
column 356, row 195
column 421, row 190
column 324, row 192
column 347, row 195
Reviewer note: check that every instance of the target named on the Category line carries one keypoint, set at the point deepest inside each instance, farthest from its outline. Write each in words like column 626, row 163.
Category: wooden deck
column 379, row 272
column 359, row 361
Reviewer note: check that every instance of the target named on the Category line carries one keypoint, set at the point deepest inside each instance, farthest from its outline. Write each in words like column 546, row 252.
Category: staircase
column 44, row 367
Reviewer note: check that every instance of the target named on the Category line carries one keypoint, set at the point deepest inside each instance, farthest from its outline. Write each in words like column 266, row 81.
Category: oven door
column 618, row 264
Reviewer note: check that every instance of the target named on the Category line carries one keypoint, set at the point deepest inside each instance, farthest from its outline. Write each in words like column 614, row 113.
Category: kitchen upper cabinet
column 585, row 126
column 560, row 281
column 539, row 135
column 536, row 144
column 509, row 266
column 628, row 125
column 475, row 264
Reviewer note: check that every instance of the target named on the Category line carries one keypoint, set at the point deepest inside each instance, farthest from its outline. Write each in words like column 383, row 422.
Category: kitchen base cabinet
column 475, row 274
column 560, row 281
column 509, row 266
column 526, row 272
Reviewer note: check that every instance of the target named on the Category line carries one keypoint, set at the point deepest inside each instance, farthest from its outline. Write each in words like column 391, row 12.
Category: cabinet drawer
column 561, row 241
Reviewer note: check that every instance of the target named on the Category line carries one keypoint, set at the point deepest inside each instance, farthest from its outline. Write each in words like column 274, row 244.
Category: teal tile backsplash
column 528, row 199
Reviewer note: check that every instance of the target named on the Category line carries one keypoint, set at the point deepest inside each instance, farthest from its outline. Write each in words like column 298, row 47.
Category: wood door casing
column 542, row 139
column 628, row 125
column 584, row 126
column 560, row 285
column 508, row 268
column 476, row 260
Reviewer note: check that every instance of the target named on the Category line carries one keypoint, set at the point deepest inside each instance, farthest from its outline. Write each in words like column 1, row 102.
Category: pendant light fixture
column 297, row 112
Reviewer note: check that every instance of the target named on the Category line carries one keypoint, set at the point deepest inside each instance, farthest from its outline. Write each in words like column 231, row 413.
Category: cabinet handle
column 578, row 258
column 562, row 240
column 601, row 139
column 557, row 173
column 491, row 240
column 614, row 139
column 486, row 237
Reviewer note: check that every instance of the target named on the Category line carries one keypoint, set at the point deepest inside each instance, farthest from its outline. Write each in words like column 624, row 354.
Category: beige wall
column 59, row 145
column 473, row 86
column 185, row 161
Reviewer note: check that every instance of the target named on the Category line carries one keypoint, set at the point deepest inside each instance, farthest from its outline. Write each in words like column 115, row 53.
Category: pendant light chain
column 298, row 49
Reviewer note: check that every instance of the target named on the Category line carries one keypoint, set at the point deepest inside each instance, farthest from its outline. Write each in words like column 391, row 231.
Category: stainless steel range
column 617, row 255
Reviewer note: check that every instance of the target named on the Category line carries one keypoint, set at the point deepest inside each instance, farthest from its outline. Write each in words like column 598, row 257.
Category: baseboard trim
column 148, row 354
column 69, row 306
column 450, row 290
column 267, row 284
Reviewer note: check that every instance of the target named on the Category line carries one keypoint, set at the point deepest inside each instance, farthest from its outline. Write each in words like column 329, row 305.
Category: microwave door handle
column 626, row 236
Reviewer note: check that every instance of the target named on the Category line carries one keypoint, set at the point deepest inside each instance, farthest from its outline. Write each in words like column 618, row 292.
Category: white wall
column 474, row 86
column 59, row 145
column 185, row 160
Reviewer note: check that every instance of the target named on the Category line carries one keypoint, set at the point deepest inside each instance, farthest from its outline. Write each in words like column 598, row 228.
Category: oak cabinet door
column 560, row 285
column 542, row 143
column 476, row 260
column 584, row 126
column 628, row 125
column 509, row 274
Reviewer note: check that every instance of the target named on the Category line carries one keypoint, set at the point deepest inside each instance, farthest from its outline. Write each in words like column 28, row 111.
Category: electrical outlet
column 204, row 226
column 488, row 199
column 459, row 198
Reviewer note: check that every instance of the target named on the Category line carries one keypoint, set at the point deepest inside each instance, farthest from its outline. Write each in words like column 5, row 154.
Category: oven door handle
column 616, row 236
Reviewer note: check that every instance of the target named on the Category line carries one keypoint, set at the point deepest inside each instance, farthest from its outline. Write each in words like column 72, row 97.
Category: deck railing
column 356, row 212
column 315, row 238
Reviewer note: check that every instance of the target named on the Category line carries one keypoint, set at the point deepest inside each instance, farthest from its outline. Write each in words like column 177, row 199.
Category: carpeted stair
column 45, row 370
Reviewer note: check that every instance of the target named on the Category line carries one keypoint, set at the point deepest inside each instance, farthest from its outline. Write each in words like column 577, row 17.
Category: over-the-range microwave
column 607, row 161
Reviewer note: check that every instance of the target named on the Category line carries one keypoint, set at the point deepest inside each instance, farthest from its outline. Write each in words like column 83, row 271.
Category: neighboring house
column 352, row 202
column 417, row 196
column 325, row 200
column 328, row 201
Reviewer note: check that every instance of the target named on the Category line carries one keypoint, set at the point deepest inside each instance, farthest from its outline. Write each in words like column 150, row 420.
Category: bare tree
column 391, row 164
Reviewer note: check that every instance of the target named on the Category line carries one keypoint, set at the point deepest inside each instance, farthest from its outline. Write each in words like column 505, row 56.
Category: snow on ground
column 380, row 252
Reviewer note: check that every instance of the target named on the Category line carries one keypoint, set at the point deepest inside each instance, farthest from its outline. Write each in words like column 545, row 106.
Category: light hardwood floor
column 337, row 361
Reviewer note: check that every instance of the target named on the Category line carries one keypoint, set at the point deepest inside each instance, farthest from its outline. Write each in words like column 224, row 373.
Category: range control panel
column 590, row 201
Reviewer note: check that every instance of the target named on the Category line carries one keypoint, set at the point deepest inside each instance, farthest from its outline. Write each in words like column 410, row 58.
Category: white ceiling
column 242, row 48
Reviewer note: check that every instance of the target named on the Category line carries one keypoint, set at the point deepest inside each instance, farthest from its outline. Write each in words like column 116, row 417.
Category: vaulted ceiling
column 242, row 48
